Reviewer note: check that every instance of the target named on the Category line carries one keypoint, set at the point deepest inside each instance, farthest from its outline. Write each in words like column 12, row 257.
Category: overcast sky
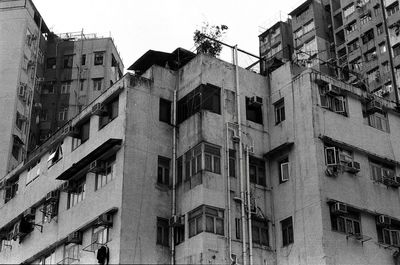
column 164, row 25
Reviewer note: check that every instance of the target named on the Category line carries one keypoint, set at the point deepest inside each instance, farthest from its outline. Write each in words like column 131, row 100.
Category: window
column 179, row 232
column 55, row 156
column 212, row 158
column 232, row 163
column 204, row 97
column 163, row 170
column 351, row 27
column 390, row 233
column 16, row 148
column 71, row 253
column 238, row 228
column 347, row 11
column 68, row 61
column 392, row 9
column 11, row 189
column 162, row 232
column 78, row 194
column 254, row 109
column 287, row 231
column 97, row 84
column 379, row 29
column 165, row 110
column 179, row 169
column 335, row 156
column 382, row 47
column 33, row 172
column 65, row 87
column 298, row 33
column 279, row 111
column 51, row 63
column 102, row 178
column 354, row 45
column 259, row 232
column 348, row 223
column 98, row 58
column 48, row 88
column 382, row 173
column 257, row 171
column 83, row 134
column 379, row 121
column 284, row 170
column 83, row 59
column 309, row 26
column 367, row 36
column 365, row 19
column 44, row 115
column 206, row 219
column 100, row 236
column 111, row 113
column 20, row 120
column 63, row 114
column 193, row 163
column 49, row 210
column 194, row 158
column 396, row 50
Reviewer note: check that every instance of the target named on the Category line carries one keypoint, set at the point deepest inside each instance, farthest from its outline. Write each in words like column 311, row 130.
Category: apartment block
column 46, row 78
column 193, row 160
column 22, row 44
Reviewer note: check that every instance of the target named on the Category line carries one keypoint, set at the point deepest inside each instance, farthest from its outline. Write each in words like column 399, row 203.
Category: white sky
column 138, row 26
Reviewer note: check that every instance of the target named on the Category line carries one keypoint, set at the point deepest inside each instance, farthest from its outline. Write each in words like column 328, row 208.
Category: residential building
column 276, row 46
column 46, row 78
column 21, row 57
column 173, row 165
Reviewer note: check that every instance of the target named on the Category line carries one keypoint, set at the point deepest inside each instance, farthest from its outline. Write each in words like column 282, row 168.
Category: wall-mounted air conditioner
column 353, row 167
column 384, row 220
column 104, row 219
column 256, row 101
column 374, row 106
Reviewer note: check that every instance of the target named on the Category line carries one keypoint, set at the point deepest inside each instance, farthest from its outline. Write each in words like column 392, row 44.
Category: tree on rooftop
column 209, row 45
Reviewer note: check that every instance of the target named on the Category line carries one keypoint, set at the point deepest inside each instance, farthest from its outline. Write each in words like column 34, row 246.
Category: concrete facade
column 38, row 98
column 295, row 183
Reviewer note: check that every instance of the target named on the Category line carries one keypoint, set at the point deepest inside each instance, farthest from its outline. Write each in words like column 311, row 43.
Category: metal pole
column 249, row 207
column 228, row 188
column 243, row 217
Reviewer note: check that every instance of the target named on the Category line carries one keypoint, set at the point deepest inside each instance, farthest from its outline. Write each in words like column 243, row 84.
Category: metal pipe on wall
column 249, row 207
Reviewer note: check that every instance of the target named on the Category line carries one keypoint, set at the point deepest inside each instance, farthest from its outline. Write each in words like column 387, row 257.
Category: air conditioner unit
column 99, row 109
column 339, row 208
column 177, row 220
column 255, row 101
column 97, row 166
column 75, row 237
column 353, row 167
column 71, row 131
column 29, row 213
column 384, row 220
column 22, row 90
column 374, row 106
column 52, row 195
column 104, row 220
column 333, row 90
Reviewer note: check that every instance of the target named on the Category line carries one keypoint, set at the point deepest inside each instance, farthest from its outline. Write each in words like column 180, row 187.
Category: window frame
column 163, row 227
column 197, row 220
column 287, row 229
column 163, row 171
column 279, row 110
column 98, row 58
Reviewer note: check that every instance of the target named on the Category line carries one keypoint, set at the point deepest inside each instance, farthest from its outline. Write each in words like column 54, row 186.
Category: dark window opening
column 348, row 223
column 279, row 111
column 204, row 97
column 98, row 58
column 51, row 63
column 11, row 189
column 232, row 163
column 83, row 59
column 259, row 232
column 165, row 111
column 163, row 170
column 257, row 171
column 68, row 61
column 162, row 232
column 254, row 109
column 287, row 231
column 111, row 113
column 179, row 169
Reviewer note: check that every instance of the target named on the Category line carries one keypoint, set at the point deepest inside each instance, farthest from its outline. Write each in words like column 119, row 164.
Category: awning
column 85, row 161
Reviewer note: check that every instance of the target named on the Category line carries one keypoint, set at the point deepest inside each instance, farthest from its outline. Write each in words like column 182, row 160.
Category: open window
column 331, row 99
column 55, row 156
column 284, row 170
column 110, row 112
column 10, row 189
column 254, row 109
column 165, row 111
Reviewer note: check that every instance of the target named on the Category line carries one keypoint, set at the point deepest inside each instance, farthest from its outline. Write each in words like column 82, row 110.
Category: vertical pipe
column 249, row 207
column 243, row 217
column 228, row 191
column 174, row 165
